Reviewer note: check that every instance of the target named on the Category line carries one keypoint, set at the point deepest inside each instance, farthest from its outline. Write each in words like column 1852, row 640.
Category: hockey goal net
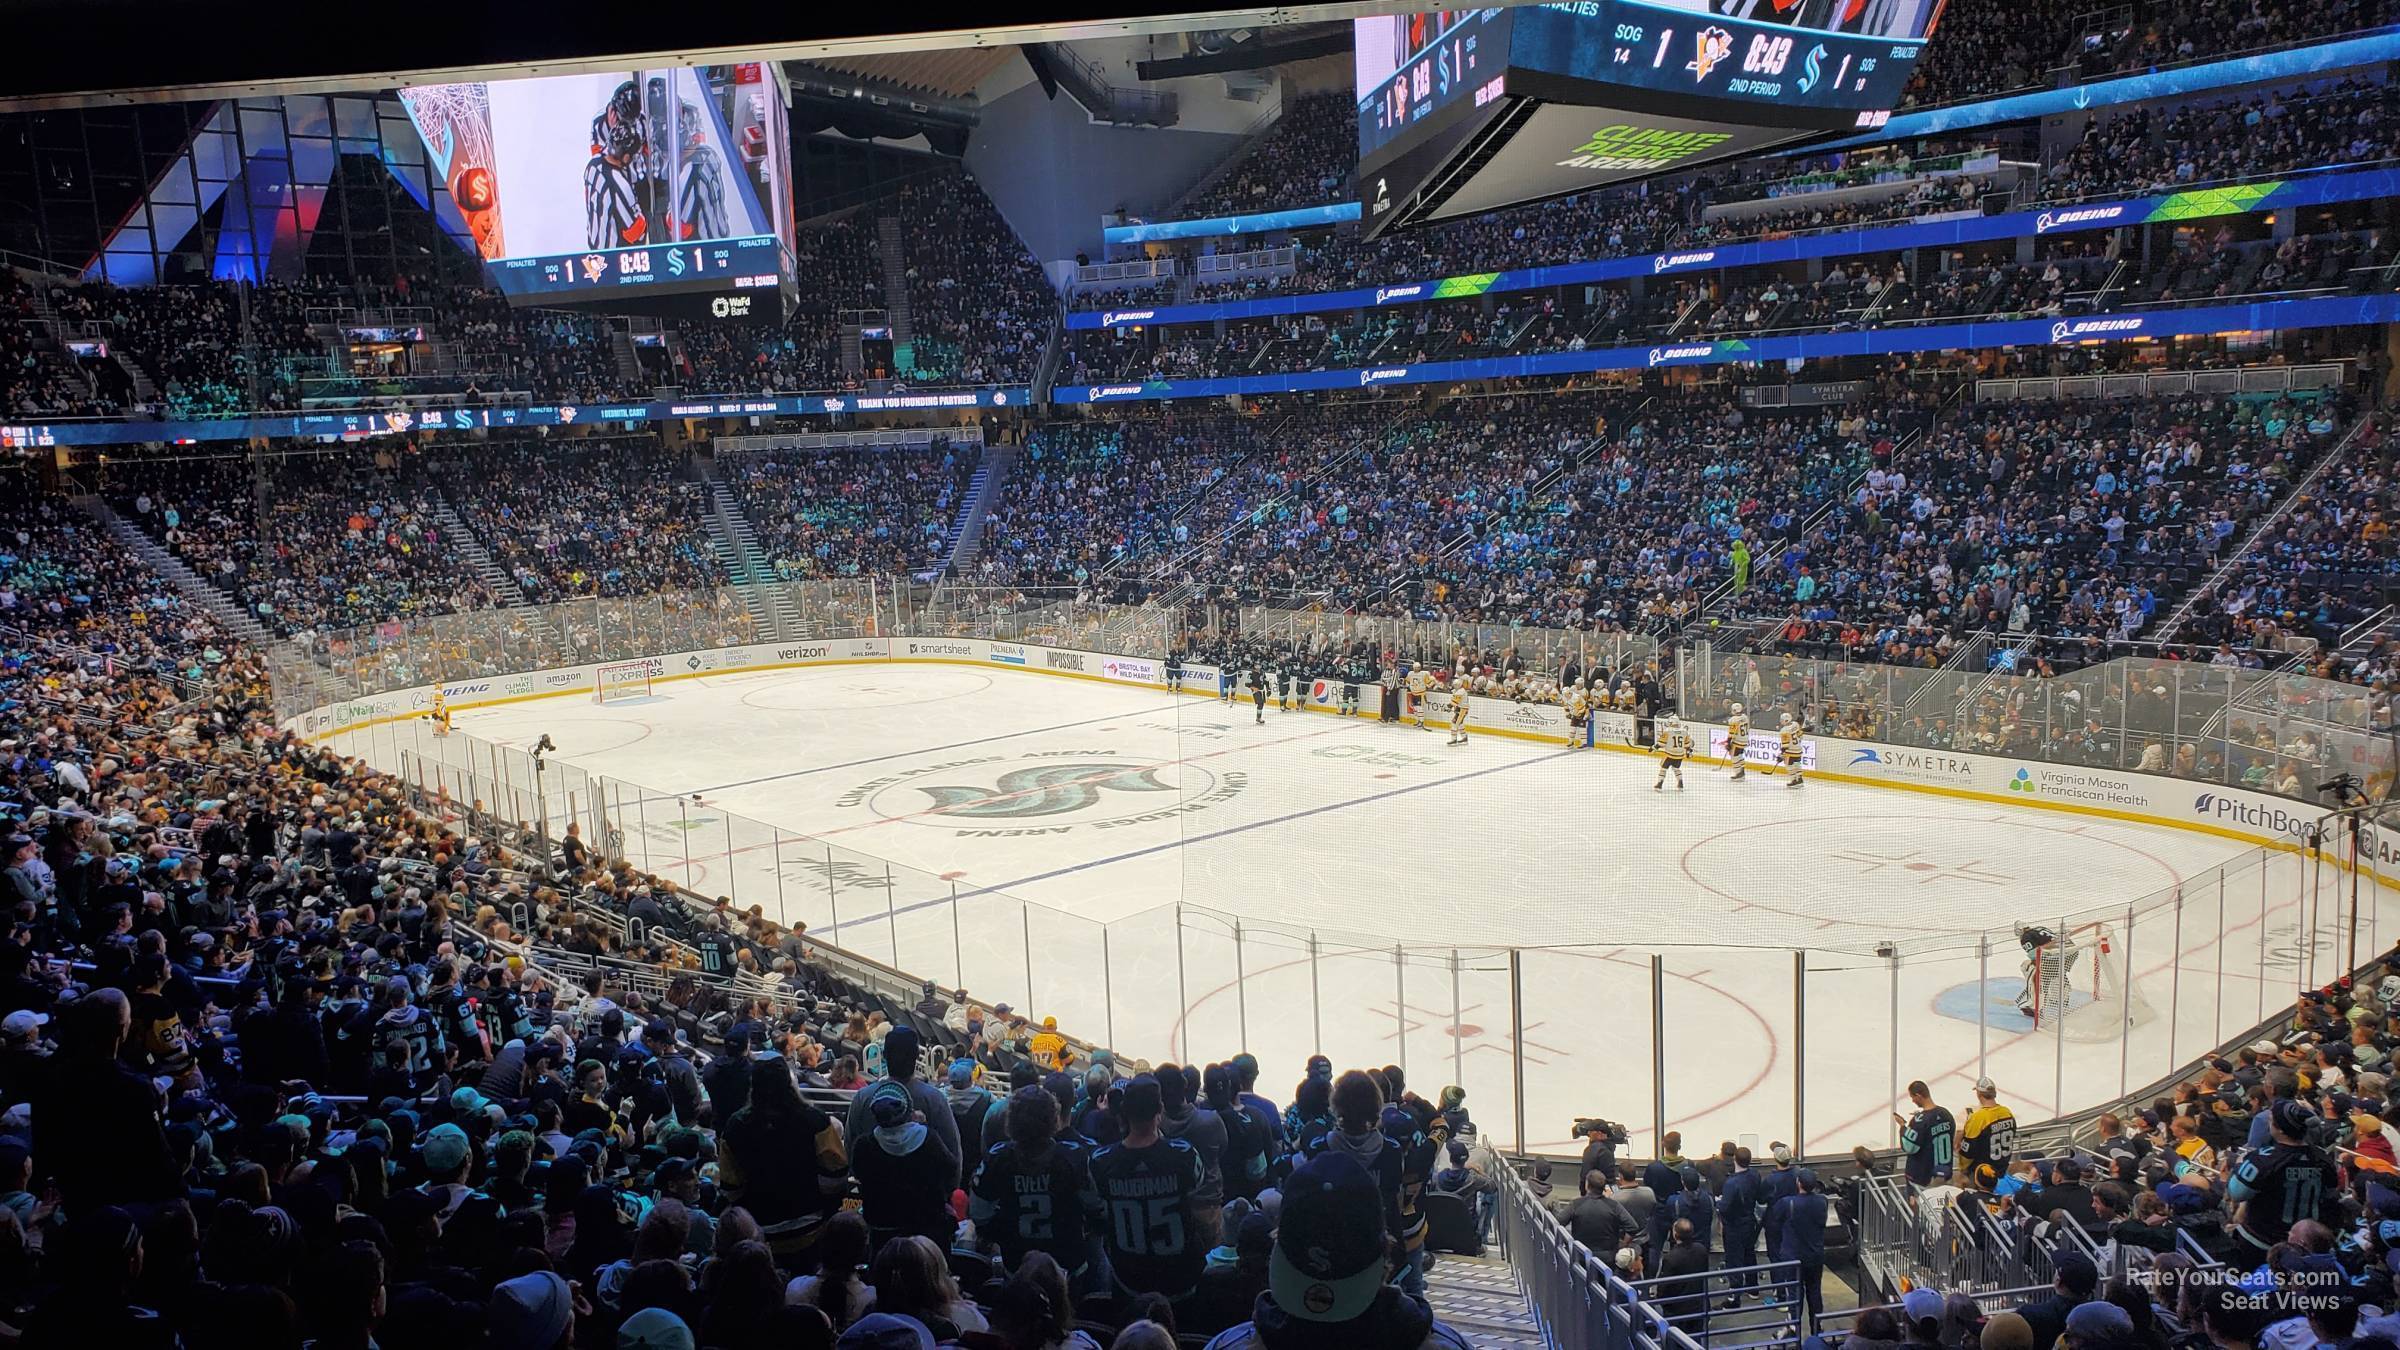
column 626, row 679
column 2082, row 987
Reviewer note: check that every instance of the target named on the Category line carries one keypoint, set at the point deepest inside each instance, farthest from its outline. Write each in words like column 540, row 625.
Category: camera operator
column 1600, row 1147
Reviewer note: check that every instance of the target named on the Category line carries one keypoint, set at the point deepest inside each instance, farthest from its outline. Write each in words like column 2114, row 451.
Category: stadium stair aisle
column 1479, row 1297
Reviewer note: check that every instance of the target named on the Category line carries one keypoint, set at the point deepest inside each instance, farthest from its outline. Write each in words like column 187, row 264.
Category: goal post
column 622, row 681
column 2082, row 987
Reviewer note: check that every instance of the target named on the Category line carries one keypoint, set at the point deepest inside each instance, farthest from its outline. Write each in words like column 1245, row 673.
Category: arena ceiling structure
column 152, row 51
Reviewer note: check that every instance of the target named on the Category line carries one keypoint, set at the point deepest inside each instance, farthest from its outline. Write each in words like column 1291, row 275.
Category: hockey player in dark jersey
column 1033, row 1191
column 1258, row 691
column 1146, row 1182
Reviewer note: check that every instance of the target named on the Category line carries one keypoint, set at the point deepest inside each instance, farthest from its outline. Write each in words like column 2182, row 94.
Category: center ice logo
column 1058, row 792
column 1050, row 790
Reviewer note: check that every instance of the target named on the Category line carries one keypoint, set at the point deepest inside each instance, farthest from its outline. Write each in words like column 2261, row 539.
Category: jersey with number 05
column 1146, row 1201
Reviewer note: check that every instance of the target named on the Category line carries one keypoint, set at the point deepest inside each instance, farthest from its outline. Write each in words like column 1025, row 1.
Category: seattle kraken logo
column 1050, row 790
column 1047, row 792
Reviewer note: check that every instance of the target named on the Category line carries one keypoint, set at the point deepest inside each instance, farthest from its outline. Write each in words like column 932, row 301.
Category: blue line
column 927, row 750
column 1227, row 832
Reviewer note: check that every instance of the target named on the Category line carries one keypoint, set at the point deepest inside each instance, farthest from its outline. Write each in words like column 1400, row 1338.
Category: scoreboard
column 1462, row 111
column 663, row 189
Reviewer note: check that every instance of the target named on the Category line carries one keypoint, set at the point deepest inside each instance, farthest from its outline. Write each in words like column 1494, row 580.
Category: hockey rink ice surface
column 1086, row 850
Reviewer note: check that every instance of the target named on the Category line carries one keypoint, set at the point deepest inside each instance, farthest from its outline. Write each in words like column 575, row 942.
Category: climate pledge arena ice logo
column 1043, row 792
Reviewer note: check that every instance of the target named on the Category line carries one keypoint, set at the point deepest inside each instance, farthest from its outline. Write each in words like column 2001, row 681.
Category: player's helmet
column 1787, row 719
column 618, row 128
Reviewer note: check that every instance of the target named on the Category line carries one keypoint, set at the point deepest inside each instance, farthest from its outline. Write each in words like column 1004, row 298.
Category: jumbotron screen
column 1461, row 111
column 619, row 187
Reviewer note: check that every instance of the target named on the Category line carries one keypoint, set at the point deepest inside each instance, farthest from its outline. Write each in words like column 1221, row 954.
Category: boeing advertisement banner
column 2330, row 312
column 482, row 418
column 2194, row 204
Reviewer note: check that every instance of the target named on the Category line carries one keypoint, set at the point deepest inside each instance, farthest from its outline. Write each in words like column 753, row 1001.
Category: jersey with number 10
column 1146, row 1201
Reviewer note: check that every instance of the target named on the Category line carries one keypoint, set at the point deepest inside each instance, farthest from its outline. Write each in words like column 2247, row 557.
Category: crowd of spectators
column 295, row 1055
column 1304, row 159
column 568, row 521
column 2143, row 150
column 37, row 377
column 980, row 308
column 334, row 541
column 863, row 512
column 1085, row 498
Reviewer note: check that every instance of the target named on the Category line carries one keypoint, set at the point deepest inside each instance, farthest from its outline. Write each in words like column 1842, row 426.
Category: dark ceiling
column 57, row 53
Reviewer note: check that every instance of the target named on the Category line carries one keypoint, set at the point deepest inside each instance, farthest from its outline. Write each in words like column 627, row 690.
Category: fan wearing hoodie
column 1357, row 1131
column 901, row 1049
column 904, row 1179
column 1326, row 1275
column 1204, row 1130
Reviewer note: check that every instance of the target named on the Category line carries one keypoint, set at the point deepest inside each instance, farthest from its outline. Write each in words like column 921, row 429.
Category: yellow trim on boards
column 1966, row 794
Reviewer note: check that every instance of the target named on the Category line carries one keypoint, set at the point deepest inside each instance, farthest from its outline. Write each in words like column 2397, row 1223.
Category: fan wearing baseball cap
column 1989, row 1138
column 1326, row 1280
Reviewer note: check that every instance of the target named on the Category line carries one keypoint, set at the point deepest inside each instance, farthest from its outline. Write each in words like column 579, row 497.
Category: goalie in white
column 1674, row 742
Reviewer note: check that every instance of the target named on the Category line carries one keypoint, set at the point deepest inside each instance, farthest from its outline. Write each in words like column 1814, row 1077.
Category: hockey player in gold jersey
column 1420, row 683
column 1674, row 745
column 1789, row 734
column 1579, row 717
column 1458, row 714
column 1737, row 741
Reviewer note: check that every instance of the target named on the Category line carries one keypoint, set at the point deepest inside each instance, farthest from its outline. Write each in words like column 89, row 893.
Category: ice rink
column 1163, row 873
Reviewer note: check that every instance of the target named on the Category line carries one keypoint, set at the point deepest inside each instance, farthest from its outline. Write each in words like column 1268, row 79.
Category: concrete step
column 1479, row 1297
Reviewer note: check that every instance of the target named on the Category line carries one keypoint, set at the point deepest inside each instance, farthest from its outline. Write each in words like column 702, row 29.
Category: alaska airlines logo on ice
column 1661, row 355
column 1100, row 391
column 2059, row 220
column 1666, row 260
column 1111, row 317
column 2070, row 330
column 1381, row 373
column 1385, row 294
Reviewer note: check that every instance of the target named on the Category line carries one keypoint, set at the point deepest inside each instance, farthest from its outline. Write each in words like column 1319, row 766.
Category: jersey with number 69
column 1030, row 1203
column 1146, row 1203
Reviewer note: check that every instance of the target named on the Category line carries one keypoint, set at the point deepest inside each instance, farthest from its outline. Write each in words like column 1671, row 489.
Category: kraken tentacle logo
column 1051, row 790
